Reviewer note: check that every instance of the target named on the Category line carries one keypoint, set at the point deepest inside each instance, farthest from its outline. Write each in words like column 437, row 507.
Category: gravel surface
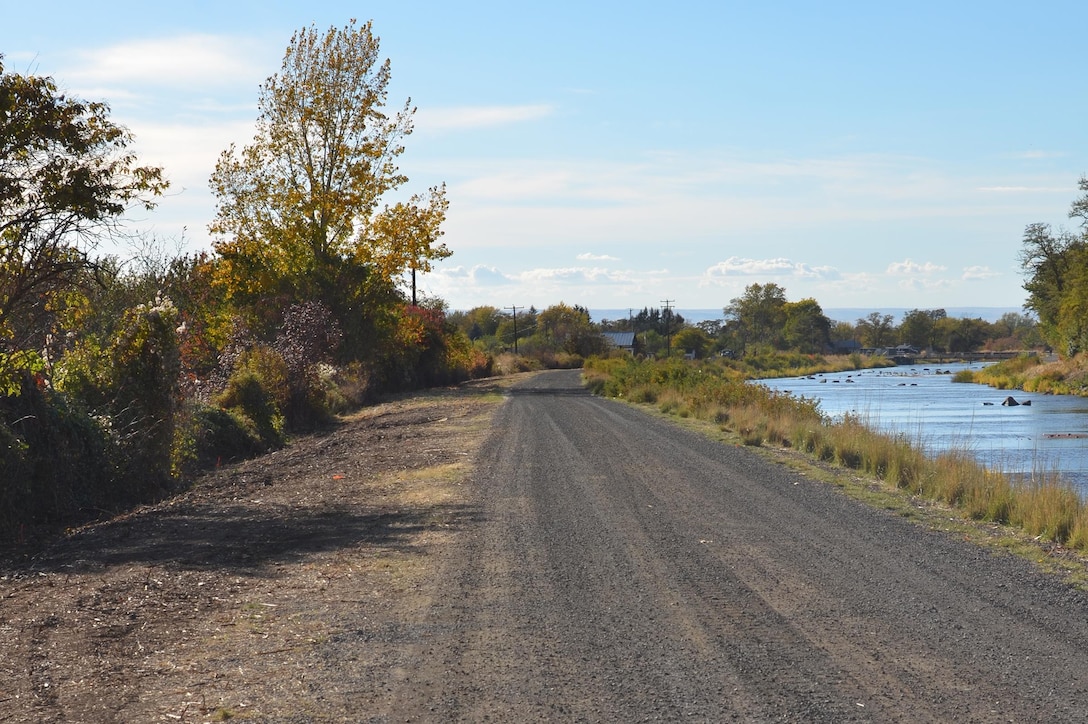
column 594, row 563
column 627, row 570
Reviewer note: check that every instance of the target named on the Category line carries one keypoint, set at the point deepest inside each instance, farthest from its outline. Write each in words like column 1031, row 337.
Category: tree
column 298, row 209
column 660, row 321
column 806, row 328
column 519, row 324
column 1014, row 331
column 477, row 322
column 1056, row 266
column 570, row 329
column 758, row 315
column 693, row 340
column 961, row 335
column 918, row 327
column 843, row 334
column 404, row 236
column 66, row 179
column 1047, row 260
column 876, row 330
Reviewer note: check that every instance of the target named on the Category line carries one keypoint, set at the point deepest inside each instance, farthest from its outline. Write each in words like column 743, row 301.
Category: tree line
column 761, row 320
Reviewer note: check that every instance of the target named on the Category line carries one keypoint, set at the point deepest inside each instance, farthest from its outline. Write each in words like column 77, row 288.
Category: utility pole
column 668, row 335
column 515, row 312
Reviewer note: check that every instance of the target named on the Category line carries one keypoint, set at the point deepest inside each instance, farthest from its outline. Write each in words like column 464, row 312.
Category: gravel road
column 623, row 569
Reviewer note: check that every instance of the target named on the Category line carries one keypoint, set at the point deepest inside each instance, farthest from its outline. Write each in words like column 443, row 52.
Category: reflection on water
column 923, row 404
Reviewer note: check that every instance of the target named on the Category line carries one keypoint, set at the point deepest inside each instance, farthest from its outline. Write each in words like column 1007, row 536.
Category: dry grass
column 1044, row 507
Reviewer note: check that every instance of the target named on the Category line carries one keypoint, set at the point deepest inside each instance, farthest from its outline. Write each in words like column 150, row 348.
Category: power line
column 668, row 334
column 514, row 310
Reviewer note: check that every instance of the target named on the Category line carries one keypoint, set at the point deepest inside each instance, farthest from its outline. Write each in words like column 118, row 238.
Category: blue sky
column 615, row 155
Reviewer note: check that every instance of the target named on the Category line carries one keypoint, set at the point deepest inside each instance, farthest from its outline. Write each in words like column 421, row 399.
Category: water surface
column 922, row 403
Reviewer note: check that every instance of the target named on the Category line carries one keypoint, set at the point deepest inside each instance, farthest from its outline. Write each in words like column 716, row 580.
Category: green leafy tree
column 661, row 321
column 758, row 316
column 806, row 328
column 1056, row 268
column 300, row 212
column 918, row 327
column 693, row 340
column 1048, row 259
column 843, row 333
column 876, row 330
column 66, row 179
column 570, row 329
column 961, row 335
column 1015, row 331
column 477, row 322
column 516, row 326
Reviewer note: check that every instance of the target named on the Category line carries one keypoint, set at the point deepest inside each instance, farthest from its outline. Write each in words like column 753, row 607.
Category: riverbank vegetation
column 1032, row 373
column 754, row 415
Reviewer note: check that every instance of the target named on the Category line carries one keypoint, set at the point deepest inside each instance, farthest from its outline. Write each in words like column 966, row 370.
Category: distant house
column 846, row 346
column 621, row 340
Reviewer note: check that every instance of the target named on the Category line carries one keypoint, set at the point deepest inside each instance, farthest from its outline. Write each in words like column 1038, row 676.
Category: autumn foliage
column 117, row 378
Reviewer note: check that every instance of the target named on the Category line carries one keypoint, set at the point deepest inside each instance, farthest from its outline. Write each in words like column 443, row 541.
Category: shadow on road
column 240, row 539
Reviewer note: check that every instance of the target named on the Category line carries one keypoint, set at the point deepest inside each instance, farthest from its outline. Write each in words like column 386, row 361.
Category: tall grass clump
column 1046, row 507
column 1042, row 506
column 773, row 363
column 1030, row 373
column 1010, row 374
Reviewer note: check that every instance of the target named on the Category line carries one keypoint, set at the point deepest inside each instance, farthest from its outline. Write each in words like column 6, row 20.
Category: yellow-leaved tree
column 302, row 210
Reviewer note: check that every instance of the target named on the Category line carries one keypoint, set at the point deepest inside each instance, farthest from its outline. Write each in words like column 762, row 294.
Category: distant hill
column 836, row 314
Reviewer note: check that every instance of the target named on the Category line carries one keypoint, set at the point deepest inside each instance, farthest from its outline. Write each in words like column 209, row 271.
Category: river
column 920, row 402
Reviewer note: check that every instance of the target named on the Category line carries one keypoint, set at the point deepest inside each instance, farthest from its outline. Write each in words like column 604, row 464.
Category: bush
column 964, row 376
column 56, row 463
column 15, row 471
column 256, row 393
column 307, row 341
column 146, row 368
column 212, row 436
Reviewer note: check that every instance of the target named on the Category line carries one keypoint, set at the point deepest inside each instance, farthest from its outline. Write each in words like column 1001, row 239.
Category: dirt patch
column 231, row 599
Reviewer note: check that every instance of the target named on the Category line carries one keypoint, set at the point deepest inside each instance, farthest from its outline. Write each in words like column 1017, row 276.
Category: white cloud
column 478, row 275
column 184, row 61
column 979, row 272
column 577, row 275
column 738, row 266
column 750, row 267
column 908, row 267
column 596, row 257
column 473, row 117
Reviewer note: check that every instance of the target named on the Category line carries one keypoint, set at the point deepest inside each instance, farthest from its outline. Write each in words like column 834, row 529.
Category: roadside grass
column 897, row 475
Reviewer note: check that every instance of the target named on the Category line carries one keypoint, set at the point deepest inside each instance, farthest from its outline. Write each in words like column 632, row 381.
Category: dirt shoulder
column 228, row 601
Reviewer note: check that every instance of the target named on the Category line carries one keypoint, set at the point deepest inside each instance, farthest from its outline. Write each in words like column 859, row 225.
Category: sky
column 624, row 155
